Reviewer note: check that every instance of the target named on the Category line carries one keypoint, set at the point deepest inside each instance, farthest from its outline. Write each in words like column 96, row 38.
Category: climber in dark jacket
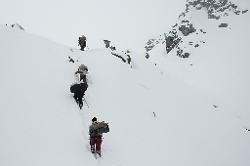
column 82, row 42
column 79, row 92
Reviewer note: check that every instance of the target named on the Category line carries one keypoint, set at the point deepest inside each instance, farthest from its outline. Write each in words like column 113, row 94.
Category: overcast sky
column 128, row 23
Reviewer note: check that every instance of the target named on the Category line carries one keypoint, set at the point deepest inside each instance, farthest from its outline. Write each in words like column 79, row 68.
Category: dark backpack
column 104, row 129
column 73, row 88
column 76, row 88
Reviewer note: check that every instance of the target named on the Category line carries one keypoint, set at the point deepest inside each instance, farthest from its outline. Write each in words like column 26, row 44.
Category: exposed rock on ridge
column 174, row 39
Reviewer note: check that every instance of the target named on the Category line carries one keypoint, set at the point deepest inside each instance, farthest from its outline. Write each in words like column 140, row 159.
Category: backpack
column 104, row 128
column 76, row 88
column 73, row 88
column 99, row 128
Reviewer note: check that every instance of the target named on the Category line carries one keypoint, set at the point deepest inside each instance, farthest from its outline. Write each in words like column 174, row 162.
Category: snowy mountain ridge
column 219, row 62
column 193, row 21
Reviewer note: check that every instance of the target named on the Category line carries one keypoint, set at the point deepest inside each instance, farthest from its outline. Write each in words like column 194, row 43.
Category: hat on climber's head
column 94, row 119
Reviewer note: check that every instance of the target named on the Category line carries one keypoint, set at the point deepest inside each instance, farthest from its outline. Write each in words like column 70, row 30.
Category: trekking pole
column 85, row 102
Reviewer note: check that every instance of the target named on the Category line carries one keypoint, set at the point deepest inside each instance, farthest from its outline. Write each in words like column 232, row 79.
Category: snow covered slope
column 154, row 118
column 219, row 56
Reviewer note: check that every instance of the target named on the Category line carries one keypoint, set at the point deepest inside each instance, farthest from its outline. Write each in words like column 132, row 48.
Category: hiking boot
column 99, row 153
column 93, row 149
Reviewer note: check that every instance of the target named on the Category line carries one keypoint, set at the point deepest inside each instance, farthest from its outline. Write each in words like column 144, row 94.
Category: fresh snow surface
column 220, row 67
column 155, row 119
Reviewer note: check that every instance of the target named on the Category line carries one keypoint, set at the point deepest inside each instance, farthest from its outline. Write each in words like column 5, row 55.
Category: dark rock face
column 197, row 45
column 126, row 58
column 18, row 26
column 107, row 43
column 182, row 54
column 244, row 11
column 223, row 25
column 215, row 9
column 202, row 31
column 174, row 39
column 187, row 29
column 71, row 59
column 150, row 45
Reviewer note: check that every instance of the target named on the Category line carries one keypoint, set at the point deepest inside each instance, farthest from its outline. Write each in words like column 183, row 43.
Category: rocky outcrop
column 223, row 25
column 174, row 39
column 17, row 26
column 125, row 57
column 215, row 8
column 187, row 29
column 150, row 44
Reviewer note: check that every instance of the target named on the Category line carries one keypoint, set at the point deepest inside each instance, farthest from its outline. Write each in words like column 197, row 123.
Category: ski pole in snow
column 85, row 102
